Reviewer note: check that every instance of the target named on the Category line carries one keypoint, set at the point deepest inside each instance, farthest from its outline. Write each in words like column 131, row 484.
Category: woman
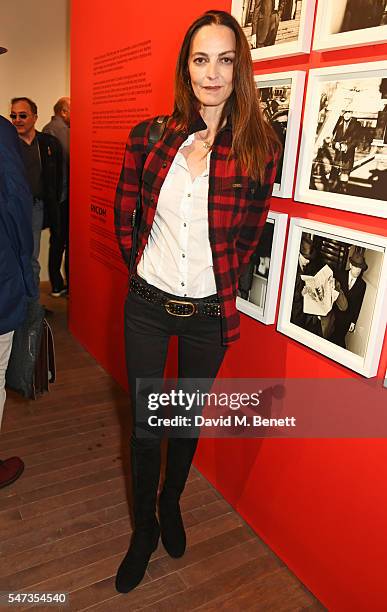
column 205, row 191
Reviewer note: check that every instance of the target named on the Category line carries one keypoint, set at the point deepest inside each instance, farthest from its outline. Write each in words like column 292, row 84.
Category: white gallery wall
column 37, row 64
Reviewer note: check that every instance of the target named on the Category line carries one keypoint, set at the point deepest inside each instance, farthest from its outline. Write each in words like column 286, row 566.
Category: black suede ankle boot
column 134, row 564
column 179, row 459
column 145, row 457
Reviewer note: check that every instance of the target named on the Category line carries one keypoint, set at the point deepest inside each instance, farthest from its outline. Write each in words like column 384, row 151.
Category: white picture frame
column 330, row 18
column 361, row 354
column 295, row 80
column 355, row 89
column 294, row 44
column 263, row 305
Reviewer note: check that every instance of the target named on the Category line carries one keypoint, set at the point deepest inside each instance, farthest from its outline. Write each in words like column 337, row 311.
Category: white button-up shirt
column 177, row 257
column 351, row 280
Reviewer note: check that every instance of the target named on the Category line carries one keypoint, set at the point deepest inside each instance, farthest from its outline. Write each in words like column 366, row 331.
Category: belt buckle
column 170, row 303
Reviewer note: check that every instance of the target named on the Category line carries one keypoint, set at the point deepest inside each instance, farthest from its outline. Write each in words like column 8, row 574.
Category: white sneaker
column 59, row 293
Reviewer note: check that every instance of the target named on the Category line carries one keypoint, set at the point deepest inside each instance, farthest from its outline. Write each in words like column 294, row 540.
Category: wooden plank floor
column 64, row 525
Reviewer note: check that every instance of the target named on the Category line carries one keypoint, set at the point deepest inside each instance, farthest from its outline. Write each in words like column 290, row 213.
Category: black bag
column 155, row 134
column 45, row 369
column 31, row 364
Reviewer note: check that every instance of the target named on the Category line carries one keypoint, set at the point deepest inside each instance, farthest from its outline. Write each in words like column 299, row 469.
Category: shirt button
column 185, row 295
column 165, row 164
column 184, row 225
column 188, row 195
column 183, row 255
column 182, row 284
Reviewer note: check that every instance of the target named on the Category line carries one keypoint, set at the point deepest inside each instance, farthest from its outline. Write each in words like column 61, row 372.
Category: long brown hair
column 254, row 140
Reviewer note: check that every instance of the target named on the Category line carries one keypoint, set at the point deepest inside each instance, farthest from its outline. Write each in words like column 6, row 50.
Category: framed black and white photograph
column 350, row 23
column 258, row 286
column 334, row 294
column 281, row 96
column 275, row 28
column 343, row 157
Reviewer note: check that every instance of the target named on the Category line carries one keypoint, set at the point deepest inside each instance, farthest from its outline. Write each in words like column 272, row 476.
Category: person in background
column 206, row 188
column 309, row 263
column 346, row 137
column 265, row 22
column 16, row 277
column 354, row 288
column 59, row 126
column 360, row 14
column 42, row 157
column 322, row 165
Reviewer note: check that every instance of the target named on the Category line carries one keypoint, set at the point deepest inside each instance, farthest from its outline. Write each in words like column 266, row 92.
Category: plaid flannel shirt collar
column 198, row 124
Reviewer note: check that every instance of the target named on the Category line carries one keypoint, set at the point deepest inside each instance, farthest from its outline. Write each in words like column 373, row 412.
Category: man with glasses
column 42, row 156
column 59, row 126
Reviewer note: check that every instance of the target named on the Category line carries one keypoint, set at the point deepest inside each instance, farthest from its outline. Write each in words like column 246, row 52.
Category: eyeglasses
column 20, row 115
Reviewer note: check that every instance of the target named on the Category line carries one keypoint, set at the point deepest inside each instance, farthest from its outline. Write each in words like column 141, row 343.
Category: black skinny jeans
column 148, row 328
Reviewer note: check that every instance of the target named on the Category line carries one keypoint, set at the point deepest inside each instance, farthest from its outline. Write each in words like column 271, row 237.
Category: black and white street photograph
column 333, row 291
column 344, row 144
column 258, row 285
column 359, row 14
column 348, row 23
column 351, row 135
column 275, row 28
column 281, row 97
column 275, row 106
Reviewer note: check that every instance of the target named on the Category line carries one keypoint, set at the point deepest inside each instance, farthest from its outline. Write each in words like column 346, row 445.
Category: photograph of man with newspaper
column 335, row 290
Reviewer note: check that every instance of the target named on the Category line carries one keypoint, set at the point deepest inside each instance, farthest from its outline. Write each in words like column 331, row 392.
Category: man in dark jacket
column 346, row 137
column 42, row 156
column 354, row 288
column 16, row 277
column 265, row 22
column 59, row 126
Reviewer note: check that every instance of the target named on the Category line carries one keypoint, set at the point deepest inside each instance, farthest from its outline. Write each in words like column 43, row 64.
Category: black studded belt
column 173, row 305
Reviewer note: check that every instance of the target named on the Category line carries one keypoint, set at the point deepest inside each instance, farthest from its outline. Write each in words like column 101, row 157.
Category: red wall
column 320, row 504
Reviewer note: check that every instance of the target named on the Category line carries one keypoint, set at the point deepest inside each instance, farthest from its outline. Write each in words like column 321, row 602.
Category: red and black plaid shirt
column 237, row 206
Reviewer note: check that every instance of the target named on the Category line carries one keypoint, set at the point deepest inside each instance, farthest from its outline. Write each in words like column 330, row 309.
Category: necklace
column 206, row 143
